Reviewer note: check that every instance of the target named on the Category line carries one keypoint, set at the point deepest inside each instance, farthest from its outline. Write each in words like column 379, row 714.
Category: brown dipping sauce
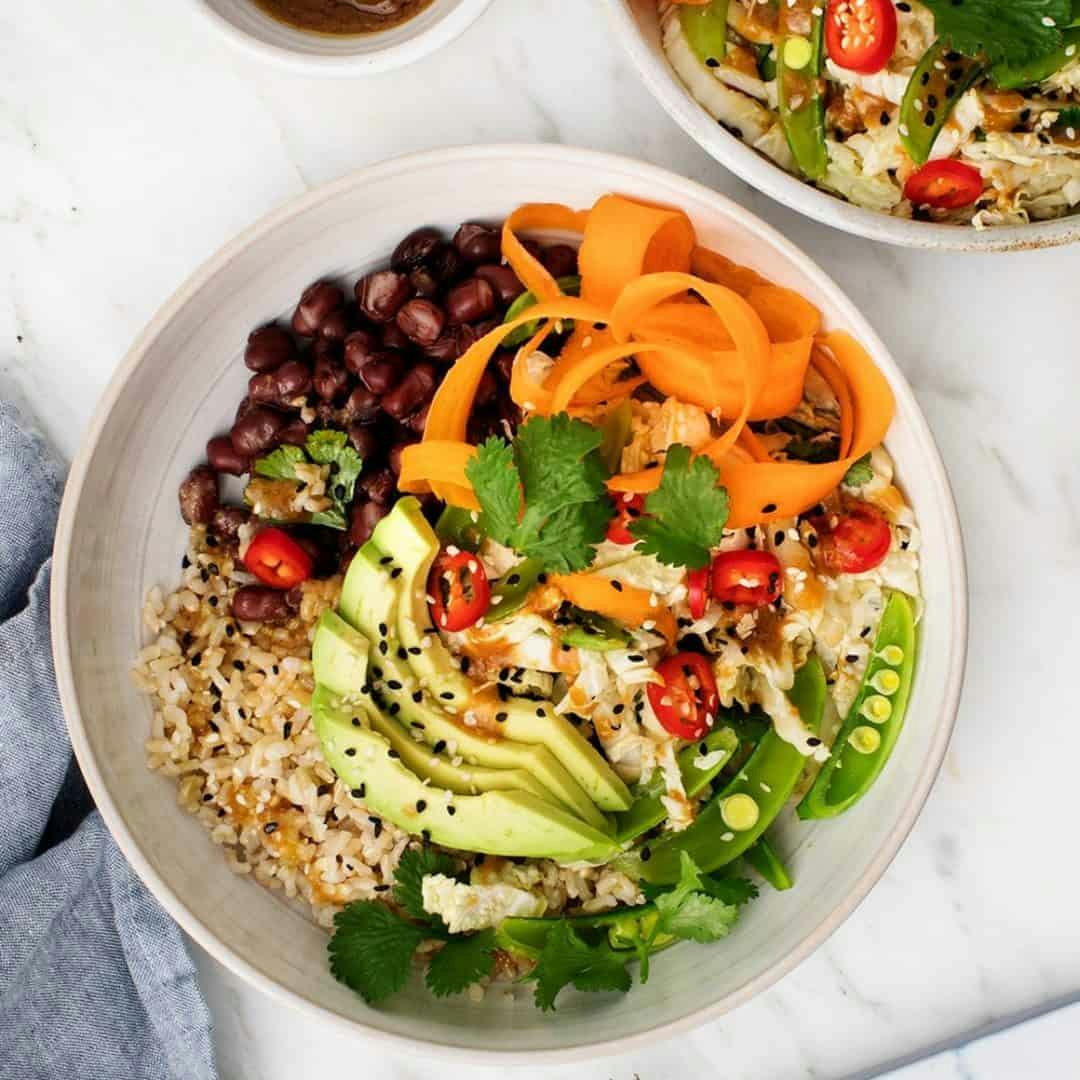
column 342, row 16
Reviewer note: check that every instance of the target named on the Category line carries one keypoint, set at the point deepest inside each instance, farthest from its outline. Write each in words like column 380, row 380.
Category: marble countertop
column 134, row 142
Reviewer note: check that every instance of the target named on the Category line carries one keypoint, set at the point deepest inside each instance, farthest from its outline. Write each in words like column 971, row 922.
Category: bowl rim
column 952, row 554
column 441, row 32
column 767, row 177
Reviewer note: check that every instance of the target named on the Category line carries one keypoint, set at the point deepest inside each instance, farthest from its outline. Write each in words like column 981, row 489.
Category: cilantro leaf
column 281, row 463
column 731, row 890
column 567, row 960
column 413, row 866
column 859, row 473
column 688, row 911
column 371, row 949
column 544, row 496
column 461, row 962
column 1013, row 32
column 685, row 516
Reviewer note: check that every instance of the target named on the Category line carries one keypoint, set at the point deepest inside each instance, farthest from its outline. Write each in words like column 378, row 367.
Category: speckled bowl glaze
column 120, row 533
column 246, row 25
column 637, row 27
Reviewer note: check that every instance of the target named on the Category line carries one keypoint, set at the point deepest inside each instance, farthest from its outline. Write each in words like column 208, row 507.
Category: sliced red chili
column 276, row 559
column 458, row 590
column 687, row 703
column 860, row 35
column 627, row 507
column 944, row 184
column 853, row 542
column 697, row 585
column 747, row 578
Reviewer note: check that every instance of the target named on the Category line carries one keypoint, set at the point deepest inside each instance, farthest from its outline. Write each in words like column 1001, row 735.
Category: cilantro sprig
column 859, row 472
column 685, row 516
column 372, row 948
column 323, row 447
column 544, row 494
column 1014, row 32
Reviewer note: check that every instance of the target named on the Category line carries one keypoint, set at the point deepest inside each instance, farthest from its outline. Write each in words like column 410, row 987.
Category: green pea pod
column 624, row 927
column 766, row 780
column 594, row 639
column 766, row 62
column 456, row 526
column 869, row 732
column 1013, row 76
column 705, row 29
column 763, row 857
column 799, row 86
column 940, row 79
column 513, row 589
column 648, row 811
column 615, row 434
column 570, row 285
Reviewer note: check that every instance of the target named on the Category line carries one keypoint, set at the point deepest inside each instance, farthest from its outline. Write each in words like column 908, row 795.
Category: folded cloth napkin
column 95, row 980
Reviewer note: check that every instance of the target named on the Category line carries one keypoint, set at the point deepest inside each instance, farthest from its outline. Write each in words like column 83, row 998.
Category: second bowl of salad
column 559, row 606
column 923, row 123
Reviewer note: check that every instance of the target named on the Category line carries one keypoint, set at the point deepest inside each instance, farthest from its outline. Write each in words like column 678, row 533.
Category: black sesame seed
column 425, row 834
column 383, row 648
column 864, row 631
column 930, row 118
column 466, row 663
column 646, row 853
column 513, row 579
column 356, row 721
column 769, row 508
column 619, row 709
column 238, row 664
column 852, row 658
column 286, row 729
column 323, row 789
column 811, row 541
column 270, row 827
column 813, row 741
column 451, row 810
column 386, row 560
column 393, row 684
column 778, row 539
column 636, row 658
column 204, row 575
column 540, row 712
column 884, row 118
column 924, row 78
column 185, row 562
column 230, row 630
column 392, row 754
column 418, row 696
column 616, row 585
column 383, row 629
column 421, row 806
column 357, row 792
column 501, row 717
column 216, row 708
column 213, row 601
column 396, row 572
column 415, row 650
column 446, row 695
column 350, row 751
column 440, row 746
column 394, row 708
column 711, row 61
column 196, row 660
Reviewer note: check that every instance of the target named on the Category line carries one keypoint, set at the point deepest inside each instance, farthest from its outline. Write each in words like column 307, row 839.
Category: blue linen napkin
column 95, row 980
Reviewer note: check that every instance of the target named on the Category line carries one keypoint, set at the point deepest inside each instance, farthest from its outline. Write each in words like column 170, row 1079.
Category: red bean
column 504, row 364
column 487, row 388
column 256, row 430
column 424, row 282
column 447, row 265
column 335, row 326
column 471, row 301
column 395, row 454
column 325, row 414
column 295, row 432
column 260, row 603
column 223, row 457
column 360, row 347
column 381, row 373
column 361, row 407
column 330, row 380
column 560, row 260
column 269, row 347
column 421, row 321
column 450, row 344
column 381, row 294
column 363, row 519
column 198, row 495
column 393, row 337
column 316, row 305
column 379, row 486
column 283, row 387
column 227, row 521
column 415, row 388
column 415, row 250
column 503, row 280
column 364, row 440
column 418, row 420
column 478, row 243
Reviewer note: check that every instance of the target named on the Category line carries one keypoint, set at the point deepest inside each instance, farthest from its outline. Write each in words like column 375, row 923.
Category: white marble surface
column 133, row 143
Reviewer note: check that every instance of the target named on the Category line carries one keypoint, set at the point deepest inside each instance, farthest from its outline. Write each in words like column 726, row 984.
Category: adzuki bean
column 223, row 457
column 227, row 520
column 268, row 348
column 421, row 322
column 316, row 305
column 471, row 301
column 414, row 389
column 503, row 280
column 363, row 519
column 382, row 293
column 560, row 260
column 260, row 603
column 199, row 496
column 478, row 243
column 361, row 407
column 364, row 439
column 256, row 430
column 416, row 249
column 360, row 347
column 382, row 372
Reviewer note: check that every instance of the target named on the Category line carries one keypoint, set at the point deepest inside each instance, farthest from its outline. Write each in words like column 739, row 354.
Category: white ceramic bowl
column 637, row 27
column 246, row 25
column 120, row 533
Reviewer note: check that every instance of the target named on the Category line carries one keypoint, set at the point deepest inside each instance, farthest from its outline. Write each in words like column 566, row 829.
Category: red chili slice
column 458, row 591
column 687, row 703
column 747, row 578
column 698, row 591
column 627, row 508
column 858, row 541
column 860, row 35
column 276, row 559
column 944, row 184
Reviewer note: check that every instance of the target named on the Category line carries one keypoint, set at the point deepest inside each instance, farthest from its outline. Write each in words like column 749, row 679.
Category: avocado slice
column 405, row 537
column 340, row 655
column 369, row 603
column 495, row 822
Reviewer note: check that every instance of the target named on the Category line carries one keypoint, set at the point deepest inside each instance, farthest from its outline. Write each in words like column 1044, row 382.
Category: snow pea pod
column 648, row 811
column 456, row 526
column 624, row 928
column 799, row 85
column 1013, row 76
column 940, row 79
column 513, row 589
column 736, row 817
column 705, row 29
column 870, row 729
column 569, row 285
column 764, row 858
